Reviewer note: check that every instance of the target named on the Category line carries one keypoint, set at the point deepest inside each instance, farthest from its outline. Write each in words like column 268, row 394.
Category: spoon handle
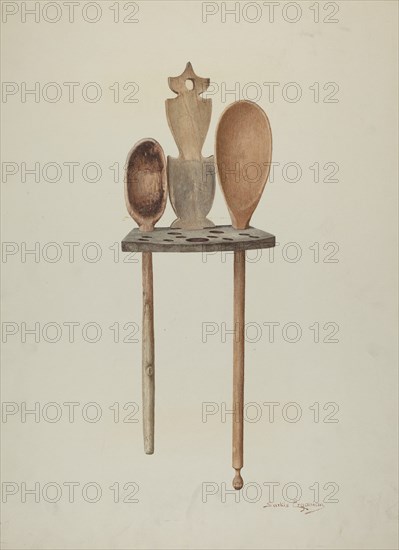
column 238, row 367
column 148, row 355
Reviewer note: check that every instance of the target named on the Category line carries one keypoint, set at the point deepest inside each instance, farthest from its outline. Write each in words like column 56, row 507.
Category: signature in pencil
column 304, row 507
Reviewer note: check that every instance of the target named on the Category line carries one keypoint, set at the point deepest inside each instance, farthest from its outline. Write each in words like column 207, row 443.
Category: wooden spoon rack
column 243, row 157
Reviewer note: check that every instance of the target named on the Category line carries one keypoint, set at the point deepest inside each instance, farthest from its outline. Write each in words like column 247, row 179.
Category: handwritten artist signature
column 305, row 508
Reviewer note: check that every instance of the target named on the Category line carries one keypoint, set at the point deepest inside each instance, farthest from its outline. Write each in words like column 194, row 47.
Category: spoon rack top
column 212, row 239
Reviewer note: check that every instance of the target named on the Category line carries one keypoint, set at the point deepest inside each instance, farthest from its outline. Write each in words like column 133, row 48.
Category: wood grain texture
column 148, row 354
column 243, row 157
column 238, row 367
column 219, row 238
column 191, row 177
column 146, row 183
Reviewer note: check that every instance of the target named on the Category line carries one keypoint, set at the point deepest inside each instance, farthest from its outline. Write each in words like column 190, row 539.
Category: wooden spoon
column 243, row 157
column 146, row 194
column 145, row 183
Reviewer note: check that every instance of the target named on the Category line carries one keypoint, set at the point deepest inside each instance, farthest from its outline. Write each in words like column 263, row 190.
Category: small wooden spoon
column 146, row 194
column 145, row 183
column 243, row 157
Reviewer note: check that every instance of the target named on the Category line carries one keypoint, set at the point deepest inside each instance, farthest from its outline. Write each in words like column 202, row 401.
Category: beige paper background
column 357, row 293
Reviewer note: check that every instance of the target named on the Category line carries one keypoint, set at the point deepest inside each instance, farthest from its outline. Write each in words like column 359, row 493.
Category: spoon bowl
column 243, row 158
column 146, row 183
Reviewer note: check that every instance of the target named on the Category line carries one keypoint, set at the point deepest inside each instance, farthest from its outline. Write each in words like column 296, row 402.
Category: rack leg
column 238, row 367
column 148, row 355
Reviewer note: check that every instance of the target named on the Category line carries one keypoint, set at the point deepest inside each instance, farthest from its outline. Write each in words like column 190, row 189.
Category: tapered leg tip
column 149, row 447
column 238, row 482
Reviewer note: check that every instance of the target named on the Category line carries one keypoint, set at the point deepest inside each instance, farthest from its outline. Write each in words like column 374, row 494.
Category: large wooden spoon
column 243, row 157
column 146, row 194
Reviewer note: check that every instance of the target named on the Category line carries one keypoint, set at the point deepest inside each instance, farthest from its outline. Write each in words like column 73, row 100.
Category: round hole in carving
column 197, row 240
column 215, row 231
column 189, row 84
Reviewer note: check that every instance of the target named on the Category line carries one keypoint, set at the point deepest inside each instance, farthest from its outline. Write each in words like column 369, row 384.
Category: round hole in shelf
column 197, row 240
column 189, row 84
